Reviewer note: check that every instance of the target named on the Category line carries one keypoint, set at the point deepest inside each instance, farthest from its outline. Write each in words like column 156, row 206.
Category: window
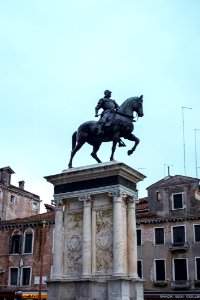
column 178, row 235
column 158, row 196
column 139, row 268
column 159, row 236
column 197, row 264
column 12, row 199
column 26, row 276
column 34, row 205
column 197, row 233
column 13, row 276
column 159, row 269
column 139, row 237
column 15, row 243
column 177, row 201
column 180, row 269
column 28, row 241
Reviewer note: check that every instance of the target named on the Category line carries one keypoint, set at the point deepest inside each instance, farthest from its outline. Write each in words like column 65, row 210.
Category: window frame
column 155, row 269
column 181, row 193
column 173, row 267
column 141, row 262
column 9, row 276
column 35, row 205
column 30, row 276
column 139, row 230
column 15, row 233
column 195, row 233
column 24, row 240
column 13, row 197
column 155, row 236
column 196, row 273
column 172, row 233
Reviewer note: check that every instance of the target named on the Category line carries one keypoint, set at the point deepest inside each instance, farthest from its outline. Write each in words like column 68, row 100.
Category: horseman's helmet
column 107, row 92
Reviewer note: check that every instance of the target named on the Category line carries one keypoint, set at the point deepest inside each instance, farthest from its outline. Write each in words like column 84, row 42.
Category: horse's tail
column 74, row 140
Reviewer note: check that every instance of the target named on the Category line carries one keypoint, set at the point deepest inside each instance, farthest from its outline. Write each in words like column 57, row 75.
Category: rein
column 124, row 115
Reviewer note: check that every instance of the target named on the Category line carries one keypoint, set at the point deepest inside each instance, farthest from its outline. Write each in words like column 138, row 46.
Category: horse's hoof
column 69, row 166
column 129, row 152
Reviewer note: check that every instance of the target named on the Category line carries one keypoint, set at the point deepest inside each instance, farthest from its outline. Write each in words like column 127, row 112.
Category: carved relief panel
column 104, row 256
column 73, row 243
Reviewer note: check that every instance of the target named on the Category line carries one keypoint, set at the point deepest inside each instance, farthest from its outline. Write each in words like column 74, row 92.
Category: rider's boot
column 121, row 143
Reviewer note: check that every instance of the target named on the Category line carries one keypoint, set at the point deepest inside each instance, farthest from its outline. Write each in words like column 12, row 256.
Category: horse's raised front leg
column 133, row 138
column 94, row 152
column 113, row 148
column 76, row 148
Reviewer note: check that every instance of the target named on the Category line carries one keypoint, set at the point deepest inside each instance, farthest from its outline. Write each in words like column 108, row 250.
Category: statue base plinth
column 98, row 289
column 95, row 250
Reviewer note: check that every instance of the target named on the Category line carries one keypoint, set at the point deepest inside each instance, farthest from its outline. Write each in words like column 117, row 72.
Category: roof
column 172, row 181
column 47, row 216
column 142, row 204
column 8, row 169
column 21, row 191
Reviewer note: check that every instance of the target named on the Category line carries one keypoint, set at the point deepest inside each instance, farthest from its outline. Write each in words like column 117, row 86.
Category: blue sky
column 57, row 58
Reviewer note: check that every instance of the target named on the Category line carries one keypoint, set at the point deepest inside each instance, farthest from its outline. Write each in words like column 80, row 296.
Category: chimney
column 21, row 184
column 5, row 175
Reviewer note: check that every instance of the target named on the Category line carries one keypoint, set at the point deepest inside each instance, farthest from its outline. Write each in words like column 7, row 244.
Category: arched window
column 28, row 241
column 15, row 242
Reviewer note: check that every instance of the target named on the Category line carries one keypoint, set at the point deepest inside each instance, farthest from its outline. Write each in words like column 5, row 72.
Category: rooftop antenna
column 195, row 141
column 184, row 107
column 168, row 169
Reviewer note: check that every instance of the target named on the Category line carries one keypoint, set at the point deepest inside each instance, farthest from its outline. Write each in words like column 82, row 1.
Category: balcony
column 179, row 247
column 181, row 285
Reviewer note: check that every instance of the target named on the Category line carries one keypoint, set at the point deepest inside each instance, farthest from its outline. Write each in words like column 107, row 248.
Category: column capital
column 58, row 202
column 86, row 199
column 118, row 192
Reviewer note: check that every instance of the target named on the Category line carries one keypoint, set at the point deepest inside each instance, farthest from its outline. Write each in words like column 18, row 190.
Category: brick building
column 168, row 238
column 26, row 253
column 16, row 202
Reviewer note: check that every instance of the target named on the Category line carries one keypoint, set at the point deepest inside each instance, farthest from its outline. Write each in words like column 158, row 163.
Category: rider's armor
column 107, row 105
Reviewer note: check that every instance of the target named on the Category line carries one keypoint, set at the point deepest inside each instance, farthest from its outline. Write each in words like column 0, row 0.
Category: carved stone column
column 58, row 242
column 117, row 235
column 132, row 239
column 87, row 238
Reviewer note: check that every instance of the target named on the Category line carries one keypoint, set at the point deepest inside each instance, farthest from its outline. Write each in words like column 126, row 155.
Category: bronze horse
column 121, row 127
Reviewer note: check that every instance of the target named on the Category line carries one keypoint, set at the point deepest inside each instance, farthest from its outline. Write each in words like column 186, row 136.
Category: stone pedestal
column 95, row 245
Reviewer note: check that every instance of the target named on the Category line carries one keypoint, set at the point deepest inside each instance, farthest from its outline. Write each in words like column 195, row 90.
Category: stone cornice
column 166, row 220
column 96, row 171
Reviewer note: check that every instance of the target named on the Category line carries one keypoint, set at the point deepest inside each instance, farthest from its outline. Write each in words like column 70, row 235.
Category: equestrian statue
column 115, row 122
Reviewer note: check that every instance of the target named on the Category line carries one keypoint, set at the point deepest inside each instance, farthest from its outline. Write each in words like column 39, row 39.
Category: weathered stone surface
column 98, row 252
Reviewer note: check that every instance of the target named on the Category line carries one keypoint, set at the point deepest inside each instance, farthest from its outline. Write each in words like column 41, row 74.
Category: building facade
column 168, row 238
column 16, row 202
column 26, row 250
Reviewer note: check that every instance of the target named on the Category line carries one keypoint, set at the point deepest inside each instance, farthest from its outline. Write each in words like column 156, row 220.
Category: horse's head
column 139, row 109
column 132, row 104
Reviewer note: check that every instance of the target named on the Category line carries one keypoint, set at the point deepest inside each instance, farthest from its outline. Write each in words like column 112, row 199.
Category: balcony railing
column 179, row 246
column 181, row 284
